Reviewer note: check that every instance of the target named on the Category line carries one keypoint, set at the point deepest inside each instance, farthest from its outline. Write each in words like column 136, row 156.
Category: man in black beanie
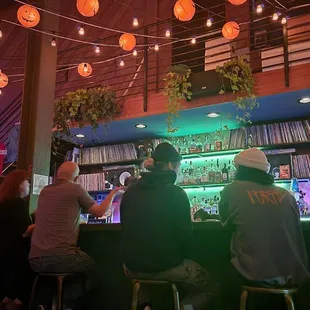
column 157, row 229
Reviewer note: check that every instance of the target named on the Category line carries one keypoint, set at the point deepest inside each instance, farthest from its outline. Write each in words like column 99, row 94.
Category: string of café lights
column 87, row 68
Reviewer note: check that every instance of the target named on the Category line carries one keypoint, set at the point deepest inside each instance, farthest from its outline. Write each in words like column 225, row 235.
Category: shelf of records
column 113, row 154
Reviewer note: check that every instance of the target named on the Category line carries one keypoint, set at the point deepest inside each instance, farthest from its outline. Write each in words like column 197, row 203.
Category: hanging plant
column 177, row 89
column 239, row 75
column 85, row 106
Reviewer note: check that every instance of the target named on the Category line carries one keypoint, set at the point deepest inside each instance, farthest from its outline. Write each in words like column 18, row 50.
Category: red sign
column 3, row 153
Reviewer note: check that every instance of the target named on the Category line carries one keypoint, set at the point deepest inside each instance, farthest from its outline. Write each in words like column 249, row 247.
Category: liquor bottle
column 180, row 177
column 185, row 177
column 211, row 173
column 176, row 145
column 218, row 145
column 193, row 146
column 149, row 150
column 208, row 207
column 199, row 146
column 205, row 176
column 225, row 174
column 198, row 175
column 214, row 206
column 191, row 168
column 194, row 202
column 218, row 173
column 207, row 146
column 183, row 146
column 232, row 171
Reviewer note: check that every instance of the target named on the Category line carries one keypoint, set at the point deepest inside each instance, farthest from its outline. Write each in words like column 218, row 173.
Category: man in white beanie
column 267, row 245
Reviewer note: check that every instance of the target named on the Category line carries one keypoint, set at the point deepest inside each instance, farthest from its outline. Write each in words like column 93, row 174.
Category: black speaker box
column 117, row 176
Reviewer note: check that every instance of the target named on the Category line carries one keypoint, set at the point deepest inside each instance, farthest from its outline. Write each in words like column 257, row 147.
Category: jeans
column 189, row 277
column 79, row 262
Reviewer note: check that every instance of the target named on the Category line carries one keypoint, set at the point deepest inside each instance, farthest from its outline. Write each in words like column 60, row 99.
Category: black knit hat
column 165, row 152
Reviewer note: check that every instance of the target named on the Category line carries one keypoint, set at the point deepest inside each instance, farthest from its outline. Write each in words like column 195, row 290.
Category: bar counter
column 210, row 249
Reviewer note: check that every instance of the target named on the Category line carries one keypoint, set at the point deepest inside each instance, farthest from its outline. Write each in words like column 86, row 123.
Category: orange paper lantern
column 28, row 16
column 184, row 10
column 85, row 69
column 4, row 80
column 127, row 42
column 237, row 2
column 87, row 8
column 231, row 30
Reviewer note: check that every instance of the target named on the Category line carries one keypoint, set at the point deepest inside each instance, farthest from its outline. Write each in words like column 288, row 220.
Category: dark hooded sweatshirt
column 156, row 223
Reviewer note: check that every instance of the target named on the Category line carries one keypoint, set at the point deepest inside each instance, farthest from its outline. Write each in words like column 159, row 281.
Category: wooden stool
column 60, row 279
column 136, row 288
column 286, row 292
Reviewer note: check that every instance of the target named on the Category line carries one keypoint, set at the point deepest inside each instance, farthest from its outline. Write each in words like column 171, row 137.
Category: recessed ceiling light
column 140, row 126
column 80, row 135
column 304, row 100
column 213, row 114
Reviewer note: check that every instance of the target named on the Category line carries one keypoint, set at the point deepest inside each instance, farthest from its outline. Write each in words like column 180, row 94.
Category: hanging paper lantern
column 237, row 2
column 4, row 80
column 85, row 69
column 28, row 16
column 184, row 10
column 127, row 42
column 231, row 30
column 87, row 8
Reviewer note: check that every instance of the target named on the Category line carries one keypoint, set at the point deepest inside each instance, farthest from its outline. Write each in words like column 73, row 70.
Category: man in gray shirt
column 54, row 240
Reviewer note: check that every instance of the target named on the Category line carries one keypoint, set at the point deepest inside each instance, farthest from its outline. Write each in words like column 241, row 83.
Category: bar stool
column 136, row 288
column 60, row 277
column 286, row 292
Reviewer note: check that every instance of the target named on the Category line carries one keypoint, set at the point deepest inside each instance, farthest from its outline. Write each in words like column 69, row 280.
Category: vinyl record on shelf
column 122, row 178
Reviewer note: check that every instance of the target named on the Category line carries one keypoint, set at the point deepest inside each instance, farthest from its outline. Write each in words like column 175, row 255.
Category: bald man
column 54, row 241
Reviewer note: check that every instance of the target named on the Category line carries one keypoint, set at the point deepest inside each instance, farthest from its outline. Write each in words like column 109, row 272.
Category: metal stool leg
column 289, row 302
column 135, row 296
column 243, row 300
column 33, row 291
column 176, row 297
column 60, row 280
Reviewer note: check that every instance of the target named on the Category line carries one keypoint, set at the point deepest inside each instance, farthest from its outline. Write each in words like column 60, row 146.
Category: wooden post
column 38, row 98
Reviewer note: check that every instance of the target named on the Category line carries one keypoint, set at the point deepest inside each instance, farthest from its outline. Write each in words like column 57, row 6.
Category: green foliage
column 85, row 106
column 177, row 89
column 239, row 75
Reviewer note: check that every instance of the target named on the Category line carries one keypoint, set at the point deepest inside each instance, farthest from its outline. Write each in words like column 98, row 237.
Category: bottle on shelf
column 150, row 150
column 205, row 176
column 185, row 180
column 218, row 145
column 199, row 146
column 208, row 206
column 218, row 173
column 198, row 175
column 214, row 206
column 231, row 171
column 207, row 145
column 225, row 174
column 193, row 146
column 211, row 173
column 176, row 144
column 194, row 202
column 183, row 147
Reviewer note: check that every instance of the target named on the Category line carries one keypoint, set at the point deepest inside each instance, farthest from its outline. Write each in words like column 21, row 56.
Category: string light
column 259, row 8
column 81, row 31
column 193, row 40
column 275, row 16
column 156, row 47
column 53, row 43
column 135, row 22
column 283, row 20
column 122, row 63
column 134, row 53
column 0, row 92
column 168, row 33
column 209, row 22
column 85, row 68
column 97, row 49
column 1, row 33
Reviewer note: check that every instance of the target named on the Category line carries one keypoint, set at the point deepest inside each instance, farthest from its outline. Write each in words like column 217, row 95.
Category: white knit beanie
column 253, row 158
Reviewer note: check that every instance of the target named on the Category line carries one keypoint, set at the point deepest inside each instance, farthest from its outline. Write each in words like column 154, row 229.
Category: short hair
column 68, row 170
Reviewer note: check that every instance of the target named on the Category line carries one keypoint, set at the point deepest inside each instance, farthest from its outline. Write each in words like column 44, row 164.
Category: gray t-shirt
column 267, row 243
column 57, row 219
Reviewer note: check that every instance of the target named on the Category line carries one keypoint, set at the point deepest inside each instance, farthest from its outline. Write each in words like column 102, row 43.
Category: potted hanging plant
column 85, row 106
column 238, row 73
column 177, row 89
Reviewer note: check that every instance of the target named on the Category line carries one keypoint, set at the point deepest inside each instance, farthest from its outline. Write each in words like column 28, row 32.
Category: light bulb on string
column 97, row 49
column 134, row 53
column 275, row 16
column 81, row 31
column 0, row 92
column 209, row 22
column 122, row 63
column 259, row 8
column 283, row 20
column 168, row 33
column 135, row 22
column 1, row 33
column 193, row 40
column 156, row 47
column 53, row 43
column 85, row 68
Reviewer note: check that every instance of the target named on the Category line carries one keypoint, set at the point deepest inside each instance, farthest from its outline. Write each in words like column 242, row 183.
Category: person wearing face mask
column 15, row 230
column 157, row 230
